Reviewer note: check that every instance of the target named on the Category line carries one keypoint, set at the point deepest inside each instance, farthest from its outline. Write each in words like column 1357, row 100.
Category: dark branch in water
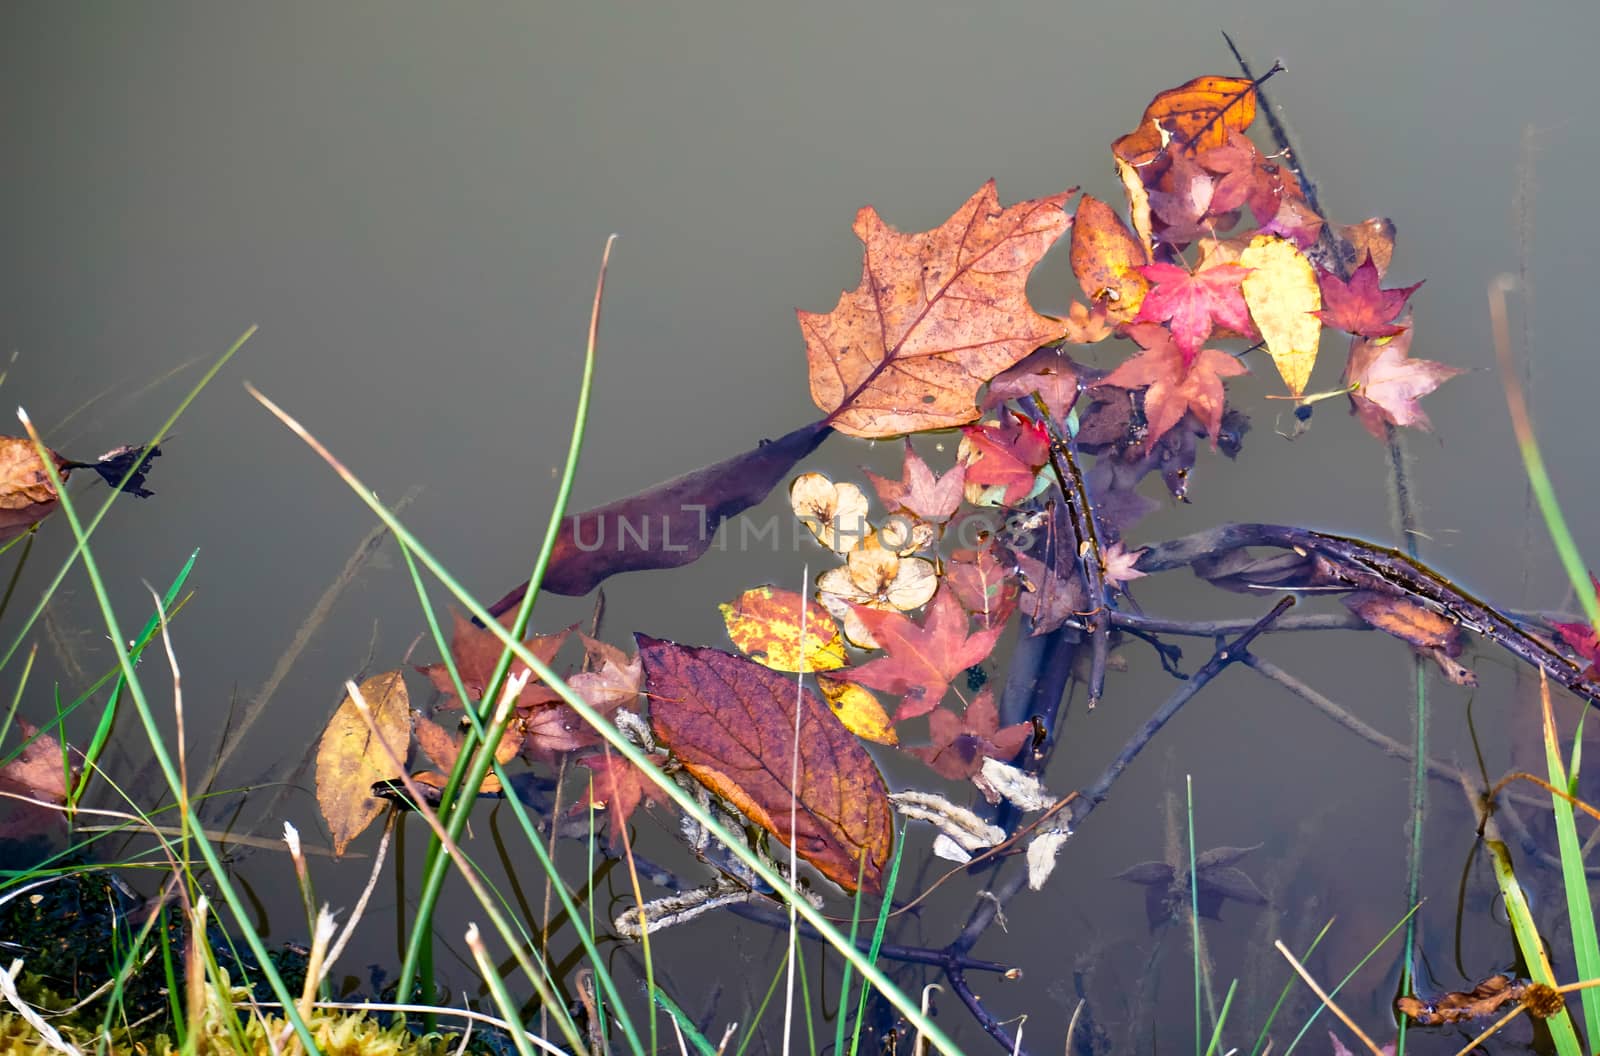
column 1361, row 565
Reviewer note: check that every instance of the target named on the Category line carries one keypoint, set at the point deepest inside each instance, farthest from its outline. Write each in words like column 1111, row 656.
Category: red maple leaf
column 1172, row 386
column 1194, row 302
column 918, row 492
column 962, row 742
column 476, row 651
column 617, row 787
column 1007, row 454
column 1387, row 383
column 1359, row 307
column 1581, row 636
column 921, row 660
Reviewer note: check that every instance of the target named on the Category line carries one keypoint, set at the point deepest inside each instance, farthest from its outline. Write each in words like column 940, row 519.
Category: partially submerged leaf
column 764, row 623
column 38, row 772
column 961, row 743
column 476, row 651
column 1283, row 296
column 671, row 524
column 617, row 787
column 350, row 760
column 936, row 315
column 732, row 724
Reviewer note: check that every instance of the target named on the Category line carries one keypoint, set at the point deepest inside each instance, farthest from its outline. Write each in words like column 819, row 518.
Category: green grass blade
column 1580, row 911
column 525, row 823
column 1531, row 945
column 685, row 1024
column 219, row 875
column 907, row 1007
column 1222, row 1017
column 1288, row 985
column 456, row 815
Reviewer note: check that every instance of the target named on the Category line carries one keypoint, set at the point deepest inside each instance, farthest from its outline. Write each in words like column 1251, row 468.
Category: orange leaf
column 1201, row 111
column 350, row 760
column 937, row 314
column 26, row 494
column 1106, row 258
column 732, row 724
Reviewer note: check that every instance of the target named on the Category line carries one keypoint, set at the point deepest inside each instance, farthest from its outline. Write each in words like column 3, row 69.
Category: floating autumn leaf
column 350, row 759
column 1359, row 306
column 1482, row 1001
column 858, row 710
column 1386, row 383
column 1049, row 372
column 765, row 624
column 1171, row 387
column 731, row 722
column 611, row 680
column 1282, row 293
column 1246, row 178
column 477, row 650
column 1003, row 459
column 1200, row 113
column 922, row 659
column 38, row 771
column 835, row 513
column 1582, row 638
column 1372, row 239
column 879, row 579
column 617, row 787
column 920, row 493
column 937, row 314
column 962, row 742
column 986, row 587
column 1138, row 205
column 1183, row 202
column 1192, row 303
column 26, row 494
column 669, row 525
column 1106, row 259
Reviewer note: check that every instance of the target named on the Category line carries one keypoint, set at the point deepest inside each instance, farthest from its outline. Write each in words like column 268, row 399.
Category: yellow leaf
column 1281, row 292
column 765, row 625
column 859, row 710
column 350, row 760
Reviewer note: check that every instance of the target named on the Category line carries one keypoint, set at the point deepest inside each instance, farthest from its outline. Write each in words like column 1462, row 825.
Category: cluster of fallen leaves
column 1218, row 254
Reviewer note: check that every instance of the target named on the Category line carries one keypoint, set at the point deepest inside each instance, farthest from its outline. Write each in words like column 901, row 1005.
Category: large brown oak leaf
column 937, row 314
